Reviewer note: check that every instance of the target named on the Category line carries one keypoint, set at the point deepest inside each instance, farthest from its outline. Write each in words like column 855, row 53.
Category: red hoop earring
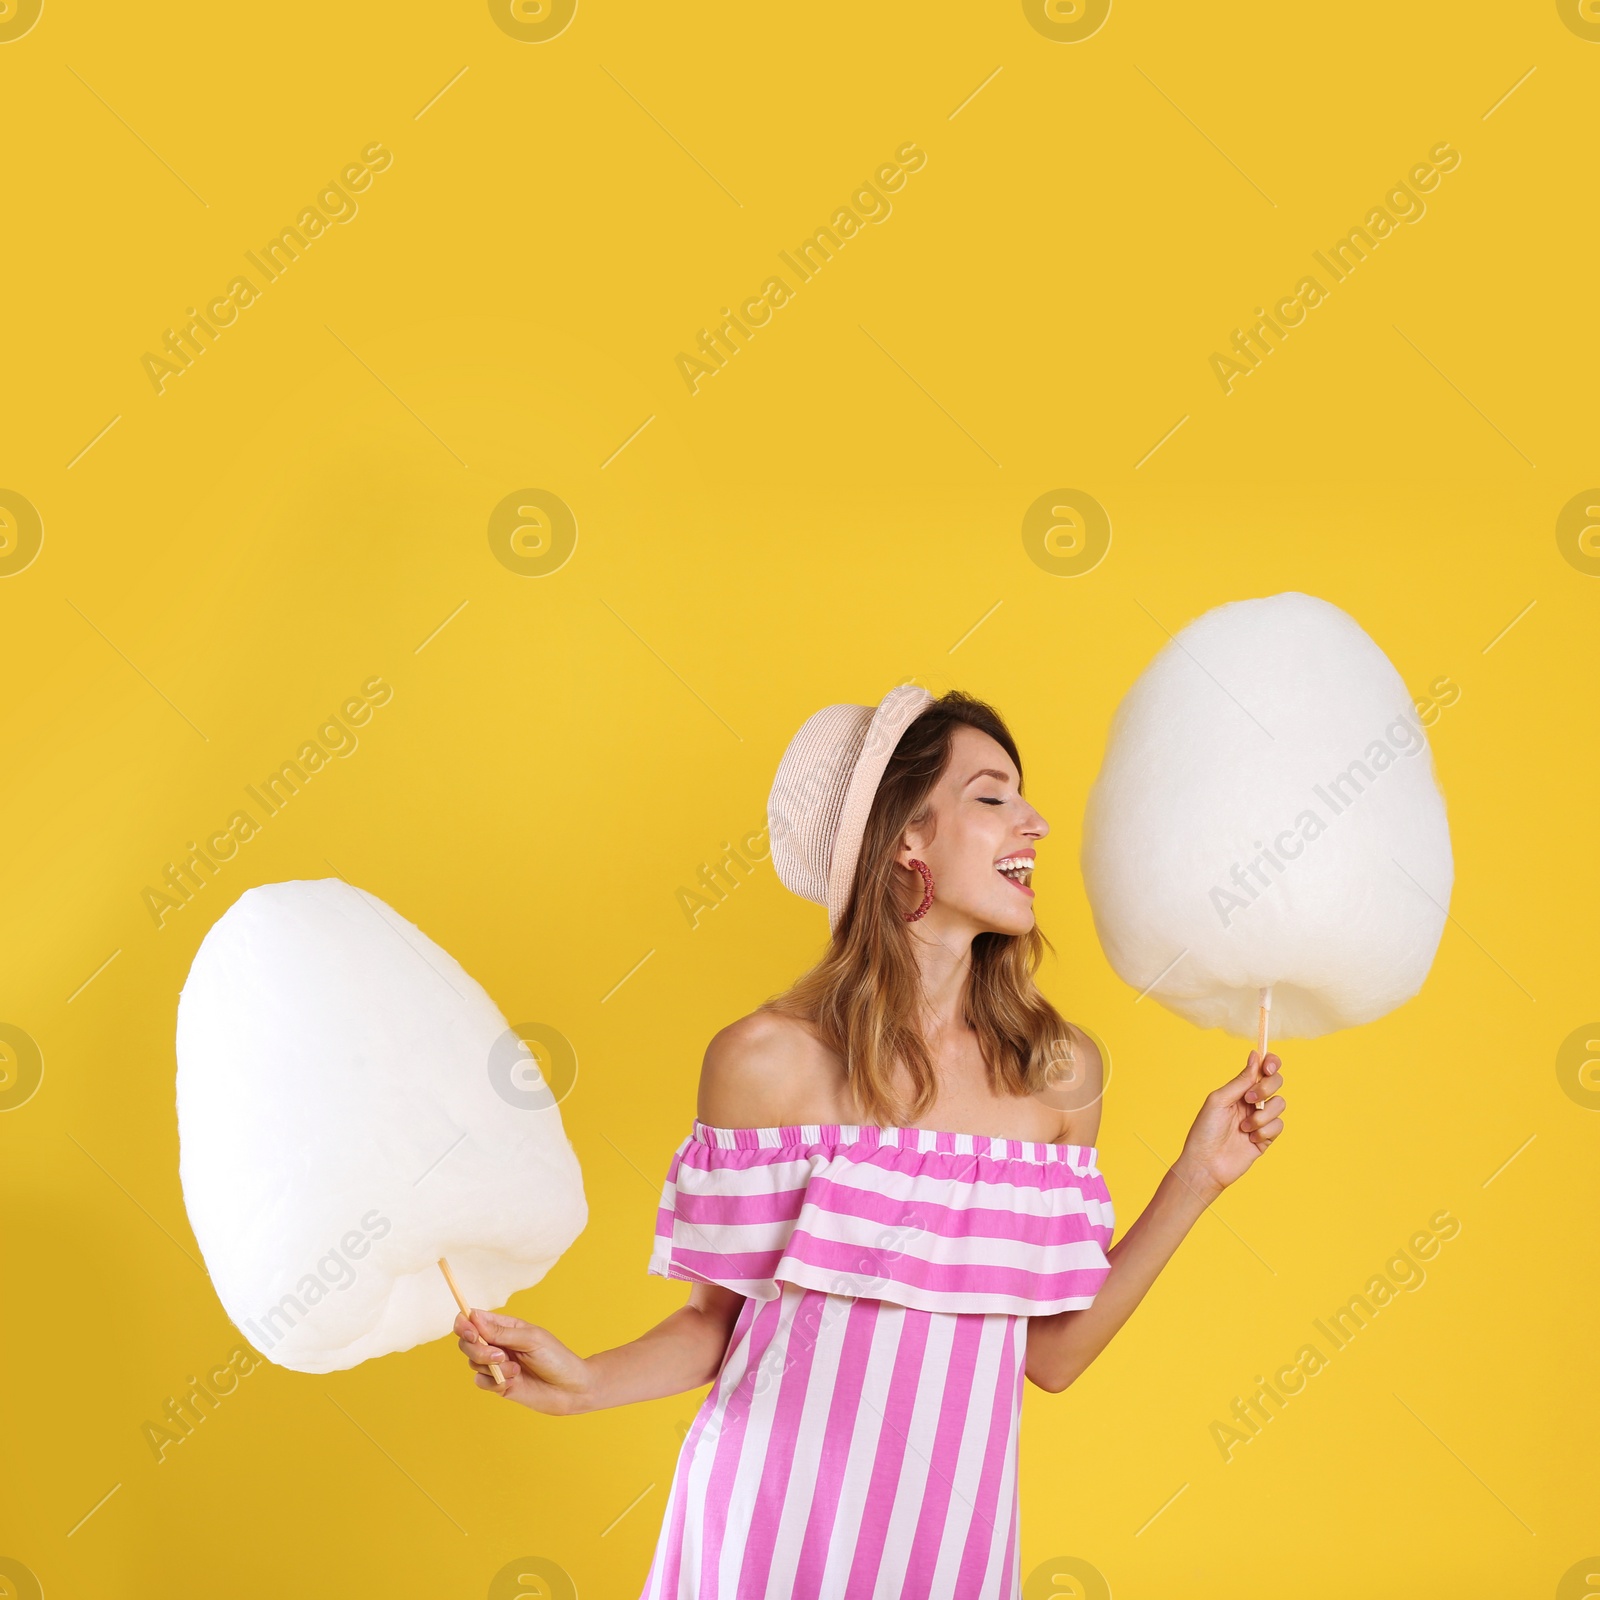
column 927, row 891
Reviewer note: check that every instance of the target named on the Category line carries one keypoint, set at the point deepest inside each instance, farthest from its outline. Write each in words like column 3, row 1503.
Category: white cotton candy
column 351, row 1107
column 1267, row 814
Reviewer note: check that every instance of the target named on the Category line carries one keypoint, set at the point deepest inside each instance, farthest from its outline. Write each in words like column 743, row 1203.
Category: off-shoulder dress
column 860, row 1439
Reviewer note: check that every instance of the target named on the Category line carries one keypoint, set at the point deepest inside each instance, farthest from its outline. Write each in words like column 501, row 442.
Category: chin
column 1016, row 922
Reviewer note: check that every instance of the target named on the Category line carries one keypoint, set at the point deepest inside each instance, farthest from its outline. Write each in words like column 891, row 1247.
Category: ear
column 912, row 843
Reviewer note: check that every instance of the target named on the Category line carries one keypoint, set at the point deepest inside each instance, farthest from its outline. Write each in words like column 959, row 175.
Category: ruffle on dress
column 954, row 1222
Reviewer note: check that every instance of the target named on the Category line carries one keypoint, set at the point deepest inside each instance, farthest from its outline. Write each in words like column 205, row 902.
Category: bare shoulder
column 1084, row 1091
column 759, row 1071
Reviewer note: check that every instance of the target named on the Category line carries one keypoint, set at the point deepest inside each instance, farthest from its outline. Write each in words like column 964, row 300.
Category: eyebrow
column 988, row 772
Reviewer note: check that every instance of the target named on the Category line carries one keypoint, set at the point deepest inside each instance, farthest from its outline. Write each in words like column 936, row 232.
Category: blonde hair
column 863, row 999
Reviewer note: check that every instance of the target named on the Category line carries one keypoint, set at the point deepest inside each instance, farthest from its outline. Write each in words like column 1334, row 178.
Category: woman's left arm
column 1235, row 1127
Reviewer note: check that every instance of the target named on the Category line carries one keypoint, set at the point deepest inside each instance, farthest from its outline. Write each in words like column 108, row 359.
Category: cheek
column 968, row 865
column 964, row 880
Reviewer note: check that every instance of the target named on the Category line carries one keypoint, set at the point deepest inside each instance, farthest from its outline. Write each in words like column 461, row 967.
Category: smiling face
column 979, row 824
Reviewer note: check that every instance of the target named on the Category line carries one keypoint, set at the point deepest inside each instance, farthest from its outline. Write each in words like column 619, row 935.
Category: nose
column 1036, row 827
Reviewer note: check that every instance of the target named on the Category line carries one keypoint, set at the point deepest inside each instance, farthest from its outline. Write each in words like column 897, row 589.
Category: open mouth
column 1017, row 870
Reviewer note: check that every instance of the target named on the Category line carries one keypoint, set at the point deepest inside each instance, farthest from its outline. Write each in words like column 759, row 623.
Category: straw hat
column 823, row 792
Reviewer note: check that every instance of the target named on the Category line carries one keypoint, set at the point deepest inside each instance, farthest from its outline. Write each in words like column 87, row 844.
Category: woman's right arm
column 683, row 1351
column 750, row 1067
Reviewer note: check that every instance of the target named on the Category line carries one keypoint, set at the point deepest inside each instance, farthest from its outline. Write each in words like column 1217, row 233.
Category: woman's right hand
column 540, row 1371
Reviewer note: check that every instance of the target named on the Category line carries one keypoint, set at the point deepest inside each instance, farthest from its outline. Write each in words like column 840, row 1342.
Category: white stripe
column 995, row 1579
column 955, row 1302
column 698, row 1477
column 1081, row 1158
column 656, row 1585
column 969, row 1463
column 918, row 1453
column 825, row 1280
column 809, row 1436
column 784, row 1177
column 871, row 1436
column 947, row 1302
column 768, row 1381
column 882, row 1247
column 758, row 1289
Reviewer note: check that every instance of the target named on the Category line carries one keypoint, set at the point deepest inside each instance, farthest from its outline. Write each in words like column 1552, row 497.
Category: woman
column 889, row 1206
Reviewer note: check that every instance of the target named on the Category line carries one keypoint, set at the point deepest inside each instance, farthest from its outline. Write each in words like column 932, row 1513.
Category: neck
column 944, row 960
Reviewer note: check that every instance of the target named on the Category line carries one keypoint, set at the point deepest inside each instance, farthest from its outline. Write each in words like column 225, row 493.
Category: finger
column 1267, row 1135
column 1263, row 1114
column 473, row 1344
column 1263, row 1087
column 511, row 1333
column 487, row 1354
column 1271, row 1112
column 1234, row 1087
column 493, row 1326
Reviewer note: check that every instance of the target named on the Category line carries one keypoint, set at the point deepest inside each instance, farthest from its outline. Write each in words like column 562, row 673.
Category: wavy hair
column 864, row 998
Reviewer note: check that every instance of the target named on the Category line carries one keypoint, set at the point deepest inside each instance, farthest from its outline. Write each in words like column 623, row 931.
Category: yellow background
column 831, row 513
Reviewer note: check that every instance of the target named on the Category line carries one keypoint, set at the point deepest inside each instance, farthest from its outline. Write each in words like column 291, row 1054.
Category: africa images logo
column 868, row 203
column 1403, row 738
column 1252, row 345
column 334, row 202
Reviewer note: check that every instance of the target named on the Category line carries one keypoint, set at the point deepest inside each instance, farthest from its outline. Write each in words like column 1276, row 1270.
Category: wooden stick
column 466, row 1311
column 1263, row 1016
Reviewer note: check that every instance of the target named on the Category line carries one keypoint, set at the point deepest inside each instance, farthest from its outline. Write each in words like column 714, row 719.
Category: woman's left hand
column 1236, row 1126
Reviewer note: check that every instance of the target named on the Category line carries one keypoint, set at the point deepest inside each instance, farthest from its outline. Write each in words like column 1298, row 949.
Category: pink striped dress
column 860, row 1439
